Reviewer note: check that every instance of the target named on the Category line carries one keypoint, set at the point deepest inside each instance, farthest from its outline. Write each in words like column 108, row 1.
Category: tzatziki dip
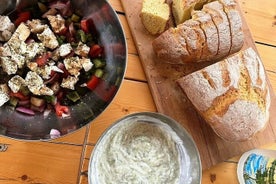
column 137, row 152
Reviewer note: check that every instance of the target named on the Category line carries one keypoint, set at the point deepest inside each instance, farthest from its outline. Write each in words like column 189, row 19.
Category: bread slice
column 230, row 8
column 155, row 16
column 210, row 48
column 182, row 9
column 215, row 9
column 231, row 95
column 180, row 45
column 195, row 39
column 170, row 46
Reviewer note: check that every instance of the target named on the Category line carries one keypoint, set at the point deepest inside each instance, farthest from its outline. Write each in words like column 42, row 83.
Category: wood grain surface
column 65, row 160
column 171, row 101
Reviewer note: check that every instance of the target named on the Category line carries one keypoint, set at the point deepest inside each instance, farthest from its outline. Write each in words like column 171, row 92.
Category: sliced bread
column 210, row 48
column 235, row 24
column 215, row 9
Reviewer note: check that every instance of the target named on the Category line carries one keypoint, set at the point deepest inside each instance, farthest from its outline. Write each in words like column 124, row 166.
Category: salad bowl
column 46, row 124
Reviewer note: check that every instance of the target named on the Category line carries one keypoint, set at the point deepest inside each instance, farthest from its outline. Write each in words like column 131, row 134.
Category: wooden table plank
column 39, row 162
column 74, row 138
column 261, row 18
column 116, row 5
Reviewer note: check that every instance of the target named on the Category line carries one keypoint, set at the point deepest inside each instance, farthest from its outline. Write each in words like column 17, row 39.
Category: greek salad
column 49, row 58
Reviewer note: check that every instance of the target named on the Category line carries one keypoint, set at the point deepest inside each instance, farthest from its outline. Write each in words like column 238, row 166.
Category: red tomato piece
column 22, row 17
column 84, row 24
column 61, row 109
column 19, row 95
column 42, row 60
column 93, row 82
column 96, row 51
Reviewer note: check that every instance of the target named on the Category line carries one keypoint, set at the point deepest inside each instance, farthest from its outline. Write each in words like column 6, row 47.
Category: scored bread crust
column 195, row 39
column 210, row 48
column 180, row 45
column 215, row 9
column 235, row 24
column 231, row 95
column 171, row 46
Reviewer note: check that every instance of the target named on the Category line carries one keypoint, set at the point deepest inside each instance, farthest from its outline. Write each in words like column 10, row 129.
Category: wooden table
column 65, row 160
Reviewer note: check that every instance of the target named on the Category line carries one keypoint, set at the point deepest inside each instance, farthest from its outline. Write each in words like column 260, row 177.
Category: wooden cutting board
column 170, row 100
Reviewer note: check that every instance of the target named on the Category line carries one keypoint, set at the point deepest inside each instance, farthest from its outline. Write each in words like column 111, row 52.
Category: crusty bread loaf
column 229, row 36
column 182, row 9
column 231, row 95
column 156, row 16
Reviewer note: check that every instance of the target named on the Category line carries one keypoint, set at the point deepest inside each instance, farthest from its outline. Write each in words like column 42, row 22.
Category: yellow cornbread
column 155, row 15
column 182, row 9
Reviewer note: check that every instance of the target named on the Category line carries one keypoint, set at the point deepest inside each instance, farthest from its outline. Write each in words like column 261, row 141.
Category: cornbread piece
column 215, row 9
column 231, row 95
column 182, row 9
column 155, row 16
column 235, row 24
column 210, row 48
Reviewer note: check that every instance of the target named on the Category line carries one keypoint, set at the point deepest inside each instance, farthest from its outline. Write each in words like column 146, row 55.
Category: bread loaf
column 156, row 16
column 219, row 30
column 231, row 95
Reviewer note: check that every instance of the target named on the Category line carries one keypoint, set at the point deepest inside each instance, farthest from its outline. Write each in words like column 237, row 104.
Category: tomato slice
column 93, row 82
column 22, row 17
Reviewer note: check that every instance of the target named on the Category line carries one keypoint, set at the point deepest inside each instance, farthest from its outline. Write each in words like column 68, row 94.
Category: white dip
column 142, row 153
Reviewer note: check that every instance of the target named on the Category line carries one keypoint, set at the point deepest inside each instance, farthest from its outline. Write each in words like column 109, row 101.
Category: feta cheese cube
column 82, row 49
column 4, row 94
column 36, row 26
column 48, row 38
column 8, row 65
column 69, row 82
column 65, row 49
column 57, row 22
column 86, row 64
column 73, row 65
column 35, row 84
column 15, row 83
column 6, row 28
column 21, row 33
